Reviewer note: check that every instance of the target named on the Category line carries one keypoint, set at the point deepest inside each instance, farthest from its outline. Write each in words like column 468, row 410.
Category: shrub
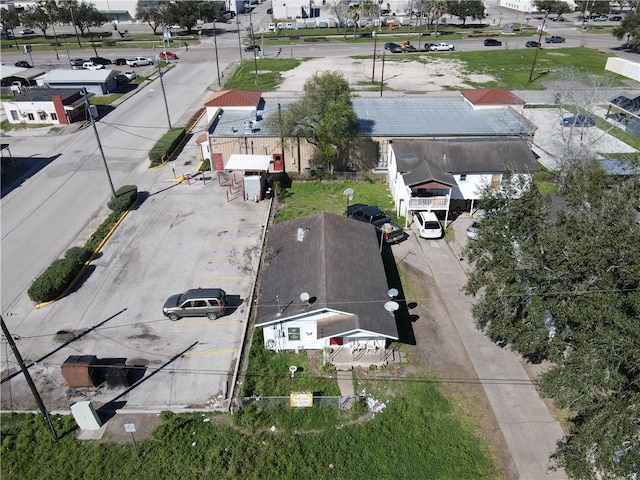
column 78, row 254
column 54, row 280
column 102, row 231
column 125, row 196
column 167, row 144
column 205, row 166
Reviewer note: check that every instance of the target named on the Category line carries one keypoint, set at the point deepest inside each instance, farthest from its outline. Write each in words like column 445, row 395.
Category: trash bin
column 79, row 371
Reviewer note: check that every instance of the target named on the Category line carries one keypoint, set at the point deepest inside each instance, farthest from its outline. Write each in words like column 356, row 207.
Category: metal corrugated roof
column 64, row 75
column 395, row 117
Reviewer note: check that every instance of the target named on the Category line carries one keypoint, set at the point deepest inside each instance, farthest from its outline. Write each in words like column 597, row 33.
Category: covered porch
column 364, row 354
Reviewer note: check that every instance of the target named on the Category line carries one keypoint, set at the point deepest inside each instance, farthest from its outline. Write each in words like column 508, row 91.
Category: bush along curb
column 56, row 281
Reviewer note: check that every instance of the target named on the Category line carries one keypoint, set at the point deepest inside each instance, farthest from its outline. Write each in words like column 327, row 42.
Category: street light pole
column 95, row 130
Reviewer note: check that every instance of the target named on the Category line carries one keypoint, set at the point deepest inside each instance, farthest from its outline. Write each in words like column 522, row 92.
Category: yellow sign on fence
column 301, row 399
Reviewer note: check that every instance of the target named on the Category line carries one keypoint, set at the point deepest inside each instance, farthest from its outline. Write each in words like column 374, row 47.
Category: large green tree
column 83, row 15
column 153, row 14
column 39, row 16
column 630, row 29
column 466, row 8
column 566, row 288
column 552, row 6
column 324, row 116
column 186, row 13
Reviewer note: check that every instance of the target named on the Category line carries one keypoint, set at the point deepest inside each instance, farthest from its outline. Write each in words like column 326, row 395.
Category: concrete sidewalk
column 528, row 427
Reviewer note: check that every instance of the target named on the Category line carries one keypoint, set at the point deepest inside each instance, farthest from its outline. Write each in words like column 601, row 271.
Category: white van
column 428, row 225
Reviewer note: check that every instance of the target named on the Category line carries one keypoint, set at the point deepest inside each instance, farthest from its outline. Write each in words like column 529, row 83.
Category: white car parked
column 428, row 225
column 130, row 74
column 92, row 66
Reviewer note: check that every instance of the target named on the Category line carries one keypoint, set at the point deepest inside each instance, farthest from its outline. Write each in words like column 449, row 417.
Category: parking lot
column 180, row 236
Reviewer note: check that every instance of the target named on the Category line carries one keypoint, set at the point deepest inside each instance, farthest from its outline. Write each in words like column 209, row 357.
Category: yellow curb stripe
column 93, row 255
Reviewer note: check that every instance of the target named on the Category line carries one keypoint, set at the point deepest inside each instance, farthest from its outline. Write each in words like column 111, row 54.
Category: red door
column 278, row 164
column 335, row 341
column 217, row 161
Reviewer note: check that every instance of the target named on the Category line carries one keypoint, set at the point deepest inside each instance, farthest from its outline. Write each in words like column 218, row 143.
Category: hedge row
column 165, row 146
column 58, row 276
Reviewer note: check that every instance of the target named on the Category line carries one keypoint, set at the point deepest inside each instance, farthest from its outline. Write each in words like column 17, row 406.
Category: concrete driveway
column 529, row 429
column 180, row 236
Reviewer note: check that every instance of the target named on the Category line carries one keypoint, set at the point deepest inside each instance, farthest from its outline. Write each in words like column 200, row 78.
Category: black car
column 492, row 42
column 391, row 46
column 615, row 18
column 100, row 60
column 121, row 79
column 23, row 64
column 389, row 231
column 251, row 48
column 120, row 61
column 532, row 44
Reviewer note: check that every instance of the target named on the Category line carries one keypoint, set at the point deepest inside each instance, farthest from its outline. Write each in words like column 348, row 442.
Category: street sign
column 129, row 427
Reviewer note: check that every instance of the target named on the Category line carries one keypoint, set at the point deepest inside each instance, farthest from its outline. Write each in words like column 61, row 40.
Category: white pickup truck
column 442, row 47
column 139, row 62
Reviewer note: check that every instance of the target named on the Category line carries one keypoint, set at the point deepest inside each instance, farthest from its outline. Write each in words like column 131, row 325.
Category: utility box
column 79, row 371
column 86, row 416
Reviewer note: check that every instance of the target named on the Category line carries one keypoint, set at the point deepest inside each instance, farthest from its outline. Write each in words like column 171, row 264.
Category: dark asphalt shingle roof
column 421, row 160
column 336, row 260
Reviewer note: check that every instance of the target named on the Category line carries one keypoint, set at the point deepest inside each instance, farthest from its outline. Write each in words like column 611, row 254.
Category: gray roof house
column 324, row 287
column 233, row 129
column 98, row 82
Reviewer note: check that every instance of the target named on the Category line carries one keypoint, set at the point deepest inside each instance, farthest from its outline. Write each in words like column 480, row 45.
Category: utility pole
column 215, row 46
column 95, row 130
column 164, row 95
column 27, row 376
column 535, row 56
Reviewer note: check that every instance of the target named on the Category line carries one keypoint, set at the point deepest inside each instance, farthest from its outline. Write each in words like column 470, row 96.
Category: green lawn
column 304, row 198
column 417, row 435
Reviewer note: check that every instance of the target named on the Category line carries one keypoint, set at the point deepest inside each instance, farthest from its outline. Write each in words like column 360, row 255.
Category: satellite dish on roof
column 393, row 292
column 304, row 296
column 391, row 306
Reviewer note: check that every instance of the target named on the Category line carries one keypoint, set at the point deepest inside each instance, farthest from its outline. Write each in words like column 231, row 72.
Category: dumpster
column 79, row 371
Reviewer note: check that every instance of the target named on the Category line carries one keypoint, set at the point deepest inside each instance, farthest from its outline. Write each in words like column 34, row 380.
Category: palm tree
column 438, row 8
column 354, row 16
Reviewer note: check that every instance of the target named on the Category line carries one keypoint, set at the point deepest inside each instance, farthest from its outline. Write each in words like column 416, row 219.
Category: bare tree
column 578, row 96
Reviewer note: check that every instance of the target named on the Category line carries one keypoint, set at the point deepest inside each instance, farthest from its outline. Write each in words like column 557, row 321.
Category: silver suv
column 197, row 302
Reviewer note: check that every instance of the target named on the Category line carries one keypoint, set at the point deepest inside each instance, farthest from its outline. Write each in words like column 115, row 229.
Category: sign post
column 131, row 428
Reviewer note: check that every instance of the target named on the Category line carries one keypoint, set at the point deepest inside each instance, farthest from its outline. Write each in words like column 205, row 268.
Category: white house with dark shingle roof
column 336, row 263
column 431, row 175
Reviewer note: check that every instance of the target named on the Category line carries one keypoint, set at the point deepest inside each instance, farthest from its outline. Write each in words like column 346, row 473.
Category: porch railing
column 425, row 203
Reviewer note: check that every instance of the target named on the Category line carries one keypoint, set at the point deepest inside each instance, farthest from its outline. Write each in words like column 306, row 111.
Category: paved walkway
column 528, row 427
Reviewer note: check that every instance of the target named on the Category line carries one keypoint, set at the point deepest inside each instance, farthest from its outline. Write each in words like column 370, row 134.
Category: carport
column 254, row 180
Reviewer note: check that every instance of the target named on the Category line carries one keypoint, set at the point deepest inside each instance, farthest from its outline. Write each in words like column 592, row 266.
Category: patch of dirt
column 400, row 73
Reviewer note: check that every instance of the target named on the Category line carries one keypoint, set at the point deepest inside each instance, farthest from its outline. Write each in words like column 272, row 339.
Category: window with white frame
column 15, row 116
column 31, row 116
column 42, row 115
column 463, row 177
column 294, row 333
